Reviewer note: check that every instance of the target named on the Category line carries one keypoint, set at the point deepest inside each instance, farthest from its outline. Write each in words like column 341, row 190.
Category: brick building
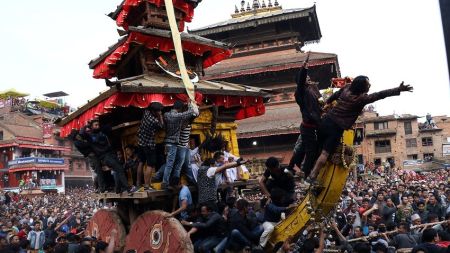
column 398, row 138
column 31, row 151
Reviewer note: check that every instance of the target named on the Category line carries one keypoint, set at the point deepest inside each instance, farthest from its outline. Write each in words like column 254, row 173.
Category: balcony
column 429, row 130
column 382, row 150
column 380, row 133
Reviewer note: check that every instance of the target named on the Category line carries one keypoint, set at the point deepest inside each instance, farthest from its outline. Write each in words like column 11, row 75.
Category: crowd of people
column 379, row 214
column 49, row 223
column 373, row 216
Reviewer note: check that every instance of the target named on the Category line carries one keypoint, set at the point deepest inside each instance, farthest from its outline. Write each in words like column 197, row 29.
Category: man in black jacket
column 244, row 229
column 100, row 145
column 80, row 141
column 211, row 226
column 277, row 177
column 434, row 207
column 307, row 97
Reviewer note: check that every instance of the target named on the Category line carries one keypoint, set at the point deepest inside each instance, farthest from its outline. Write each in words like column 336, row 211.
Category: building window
column 359, row 136
column 411, row 143
column 377, row 161
column 360, row 159
column 412, row 157
column 380, row 125
column 427, row 141
column 382, row 146
column 428, row 156
column 408, row 127
column 1, row 135
column 391, row 161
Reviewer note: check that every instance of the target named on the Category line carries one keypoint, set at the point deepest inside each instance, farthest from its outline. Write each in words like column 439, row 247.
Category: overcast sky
column 46, row 45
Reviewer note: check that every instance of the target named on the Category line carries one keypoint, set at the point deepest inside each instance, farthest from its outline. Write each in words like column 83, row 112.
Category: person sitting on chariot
column 351, row 100
column 210, row 226
column 277, row 177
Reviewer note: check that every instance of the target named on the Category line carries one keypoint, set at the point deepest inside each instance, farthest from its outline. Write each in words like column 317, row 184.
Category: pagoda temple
column 139, row 79
column 268, row 52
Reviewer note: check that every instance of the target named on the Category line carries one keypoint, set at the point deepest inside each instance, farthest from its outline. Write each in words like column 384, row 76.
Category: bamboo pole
column 395, row 231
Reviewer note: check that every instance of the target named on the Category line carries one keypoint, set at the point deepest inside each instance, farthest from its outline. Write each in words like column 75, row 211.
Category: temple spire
column 243, row 6
column 255, row 4
column 256, row 7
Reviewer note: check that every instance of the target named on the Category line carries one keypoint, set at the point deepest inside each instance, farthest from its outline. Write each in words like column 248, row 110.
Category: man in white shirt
column 36, row 238
column 196, row 158
column 233, row 174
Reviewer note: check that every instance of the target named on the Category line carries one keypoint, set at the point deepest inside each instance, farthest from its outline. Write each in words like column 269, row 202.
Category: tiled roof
column 160, row 33
column 21, row 126
column 278, row 119
column 266, row 62
column 166, row 84
column 249, row 21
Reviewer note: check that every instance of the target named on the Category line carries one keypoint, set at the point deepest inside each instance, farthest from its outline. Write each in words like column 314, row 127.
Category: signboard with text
column 37, row 160
column 48, row 184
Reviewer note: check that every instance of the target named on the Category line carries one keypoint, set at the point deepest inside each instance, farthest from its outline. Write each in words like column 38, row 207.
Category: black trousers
column 96, row 166
column 306, row 150
column 297, row 157
column 120, row 180
column 309, row 147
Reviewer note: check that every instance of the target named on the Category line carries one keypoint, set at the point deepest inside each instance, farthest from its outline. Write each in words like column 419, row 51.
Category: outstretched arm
column 184, row 206
column 387, row 93
column 230, row 165
column 321, row 240
column 338, row 232
column 300, row 79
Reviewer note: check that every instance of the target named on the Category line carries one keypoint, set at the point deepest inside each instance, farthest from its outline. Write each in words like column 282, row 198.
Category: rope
column 179, row 50
column 354, row 160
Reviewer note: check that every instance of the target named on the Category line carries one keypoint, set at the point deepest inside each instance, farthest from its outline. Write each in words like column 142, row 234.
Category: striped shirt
column 185, row 135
